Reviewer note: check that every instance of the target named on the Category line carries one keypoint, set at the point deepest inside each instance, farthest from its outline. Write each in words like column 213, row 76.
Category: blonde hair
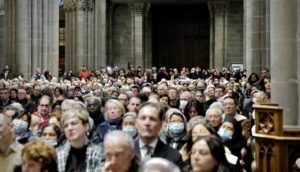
column 117, row 103
column 83, row 115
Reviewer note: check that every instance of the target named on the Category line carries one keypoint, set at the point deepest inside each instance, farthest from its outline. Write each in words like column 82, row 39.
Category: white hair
column 118, row 136
column 161, row 165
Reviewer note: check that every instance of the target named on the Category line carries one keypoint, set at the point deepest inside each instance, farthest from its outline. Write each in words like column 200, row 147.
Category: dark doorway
column 180, row 35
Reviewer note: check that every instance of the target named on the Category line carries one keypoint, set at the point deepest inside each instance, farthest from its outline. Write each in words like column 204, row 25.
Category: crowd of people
column 130, row 120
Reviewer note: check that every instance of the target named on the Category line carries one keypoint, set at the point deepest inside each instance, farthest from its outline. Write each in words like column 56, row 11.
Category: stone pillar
column 137, row 29
column 2, row 32
column 32, row 36
column 284, row 46
column 53, row 39
column 23, row 34
column 100, row 50
column 247, row 36
column 257, row 35
column 218, row 18
column 148, row 36
column 80, row 36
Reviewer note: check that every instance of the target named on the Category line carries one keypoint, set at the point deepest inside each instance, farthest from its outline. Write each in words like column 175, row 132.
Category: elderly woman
column 128, row 124
column 114, row 110
column 37, row 156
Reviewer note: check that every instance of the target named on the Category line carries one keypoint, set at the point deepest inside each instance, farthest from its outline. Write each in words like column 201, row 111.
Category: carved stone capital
column 79, row 5
column 137, row 8
column 218, row 7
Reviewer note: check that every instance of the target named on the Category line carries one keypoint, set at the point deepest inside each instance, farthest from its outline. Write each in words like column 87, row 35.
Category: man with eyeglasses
column 44, row 110
column 78, row 153
column 230, row 106
column 5, row 100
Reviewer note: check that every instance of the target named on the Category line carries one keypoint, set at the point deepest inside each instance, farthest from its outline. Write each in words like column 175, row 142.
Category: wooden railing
column 276, row 148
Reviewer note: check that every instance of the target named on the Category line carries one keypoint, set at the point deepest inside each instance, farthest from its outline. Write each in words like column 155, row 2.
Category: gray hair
column 119, row 136
column 67, row 103
column 133, row 114
column 217, row 105
column 214, row 109
column 161, row 165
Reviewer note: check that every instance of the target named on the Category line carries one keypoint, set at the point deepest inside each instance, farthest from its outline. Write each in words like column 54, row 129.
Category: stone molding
column 78, row 5
column 1, row 7
column 137, row 8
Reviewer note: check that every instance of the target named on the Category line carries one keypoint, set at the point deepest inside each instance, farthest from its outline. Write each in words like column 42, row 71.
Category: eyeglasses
column 44, row 105
column 112, row 109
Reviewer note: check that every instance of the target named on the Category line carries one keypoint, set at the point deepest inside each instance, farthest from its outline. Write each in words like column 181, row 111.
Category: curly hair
column 41, row 152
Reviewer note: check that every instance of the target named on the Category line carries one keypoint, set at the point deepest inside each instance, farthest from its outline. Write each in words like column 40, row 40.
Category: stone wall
column 234, row 33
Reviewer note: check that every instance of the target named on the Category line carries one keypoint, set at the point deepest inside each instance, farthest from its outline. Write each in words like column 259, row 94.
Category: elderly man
column 230, row 106
column 78, row 153
column 148, row 144
column 27, row 104
column 184, row 98
column 120, row 153
column 214, row 116
column 38, row 75
column 10, row 149
column 44, row 110
column 162, row 88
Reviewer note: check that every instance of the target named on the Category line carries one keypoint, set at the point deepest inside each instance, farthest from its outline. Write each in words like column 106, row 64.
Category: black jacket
column 163, row 151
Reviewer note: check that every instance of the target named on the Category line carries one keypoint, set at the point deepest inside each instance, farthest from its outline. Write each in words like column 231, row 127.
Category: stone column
column 23, row 34
column 100, row 48
column 218, row 16
column 257, row 35
column 32, row 36
column 247, row 36
column 54, row 39
column 2, row 32
column 79, row 24
column 284, row 46
column 148, row 36
column 137, row 13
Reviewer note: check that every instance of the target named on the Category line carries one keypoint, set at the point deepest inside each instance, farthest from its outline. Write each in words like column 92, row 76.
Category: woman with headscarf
column 232, row 137
column 176, row 128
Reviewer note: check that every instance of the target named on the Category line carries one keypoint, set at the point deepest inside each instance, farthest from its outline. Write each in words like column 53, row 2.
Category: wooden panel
column 180, row 35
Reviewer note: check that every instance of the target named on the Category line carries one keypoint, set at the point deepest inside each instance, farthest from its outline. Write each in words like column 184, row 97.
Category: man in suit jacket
column 148, row 124
column 6, row 73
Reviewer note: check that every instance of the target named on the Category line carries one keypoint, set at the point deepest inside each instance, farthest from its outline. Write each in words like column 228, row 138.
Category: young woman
column 208, row 155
